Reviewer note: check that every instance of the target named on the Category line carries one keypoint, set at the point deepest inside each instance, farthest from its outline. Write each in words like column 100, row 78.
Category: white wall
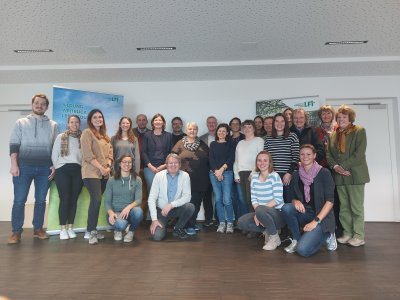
column 194, row 101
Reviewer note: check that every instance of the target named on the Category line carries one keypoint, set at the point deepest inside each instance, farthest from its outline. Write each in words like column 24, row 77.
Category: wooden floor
column 209, row 266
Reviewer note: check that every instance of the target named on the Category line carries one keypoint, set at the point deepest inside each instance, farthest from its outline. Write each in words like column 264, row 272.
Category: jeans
column 134, row 218
column 69, row 183
column 95, row 188
column 148, row 176
column 310, row 242
column 183, row 213
column 22, row 183
column 270, row 218
column 240, row 206
column 287, row 191
column 222, row 190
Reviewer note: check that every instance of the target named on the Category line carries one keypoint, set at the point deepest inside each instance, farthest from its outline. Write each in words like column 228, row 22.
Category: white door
column 380, row 203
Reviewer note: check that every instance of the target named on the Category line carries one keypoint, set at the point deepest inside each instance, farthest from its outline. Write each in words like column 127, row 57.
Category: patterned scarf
column 341, row 137
column 307, row 177
column 191, row 146
column 327, row 131
column 65, row 141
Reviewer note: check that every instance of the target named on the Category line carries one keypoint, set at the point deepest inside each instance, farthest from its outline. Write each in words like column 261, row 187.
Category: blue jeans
column 148, row 176
column 310, row 242
column 222, row 190
column 22, row 184
column 134, row 218
column 240, row 206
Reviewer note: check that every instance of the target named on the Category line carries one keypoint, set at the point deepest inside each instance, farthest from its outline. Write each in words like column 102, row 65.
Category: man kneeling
column 170, row 198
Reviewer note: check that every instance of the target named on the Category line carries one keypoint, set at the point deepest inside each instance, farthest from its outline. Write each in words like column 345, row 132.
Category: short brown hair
column 348, row 111
column 326, row 108
column 43, row 96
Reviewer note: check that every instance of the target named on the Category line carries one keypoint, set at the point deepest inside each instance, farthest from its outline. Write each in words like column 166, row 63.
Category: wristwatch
column 317, row 220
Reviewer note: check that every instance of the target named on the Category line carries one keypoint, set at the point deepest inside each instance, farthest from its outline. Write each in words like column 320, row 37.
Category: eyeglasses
column 126, row 162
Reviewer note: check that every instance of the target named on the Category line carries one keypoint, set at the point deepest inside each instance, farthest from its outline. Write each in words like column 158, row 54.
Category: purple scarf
column 307, row 177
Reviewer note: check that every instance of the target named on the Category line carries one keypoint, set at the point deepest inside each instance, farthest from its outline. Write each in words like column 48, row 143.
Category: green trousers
column 351, row 213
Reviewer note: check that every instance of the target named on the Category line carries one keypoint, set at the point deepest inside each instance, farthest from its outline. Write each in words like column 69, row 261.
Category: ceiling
column 96, row 40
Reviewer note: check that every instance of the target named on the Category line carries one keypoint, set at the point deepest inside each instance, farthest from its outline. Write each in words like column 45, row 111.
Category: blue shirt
column 172, row 186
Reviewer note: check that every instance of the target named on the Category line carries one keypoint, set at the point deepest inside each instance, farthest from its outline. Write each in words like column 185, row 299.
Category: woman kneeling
column 311, row 208
column 267, row 199
column 123, row 197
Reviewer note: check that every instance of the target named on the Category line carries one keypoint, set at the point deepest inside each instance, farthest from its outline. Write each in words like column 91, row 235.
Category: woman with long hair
column 284, row 148
column 259, row 126
column 97, row 159
column 311, row 206
column 124, row 142
column 67, row 160
column 267, row 200
column 122, row 199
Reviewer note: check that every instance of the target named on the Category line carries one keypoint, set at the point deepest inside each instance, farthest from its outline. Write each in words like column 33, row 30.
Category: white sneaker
column 273, row 242
column 93, row 238
column 229, row 228
column 64, row 234
column 331, row 243
column 100, row 236
column 129, row 237
column 344, row 239
column 117, row 235
column 71, row 233
column 221, row 228
column 87, row 235
column 292, row 247
column 266, row 237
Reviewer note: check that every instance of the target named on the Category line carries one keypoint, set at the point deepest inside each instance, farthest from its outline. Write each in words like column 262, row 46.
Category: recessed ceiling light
column 33, row 51
column 155, row 48
column 346, row 43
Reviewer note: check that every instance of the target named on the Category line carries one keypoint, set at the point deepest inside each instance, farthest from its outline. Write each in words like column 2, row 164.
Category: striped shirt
column 264, row 192
column 284, row 152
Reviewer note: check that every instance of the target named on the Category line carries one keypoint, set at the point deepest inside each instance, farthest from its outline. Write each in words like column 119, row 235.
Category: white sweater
column 245, row 156
column 74, row 156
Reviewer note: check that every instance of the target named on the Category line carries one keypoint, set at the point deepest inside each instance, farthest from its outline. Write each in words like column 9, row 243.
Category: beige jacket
column 92, row 148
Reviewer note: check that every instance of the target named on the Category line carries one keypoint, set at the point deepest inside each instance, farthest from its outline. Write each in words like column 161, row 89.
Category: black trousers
column 69, row 183
column 96, row 188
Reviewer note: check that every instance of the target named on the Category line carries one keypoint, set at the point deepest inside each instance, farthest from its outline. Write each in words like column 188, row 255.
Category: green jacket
column 353, row 159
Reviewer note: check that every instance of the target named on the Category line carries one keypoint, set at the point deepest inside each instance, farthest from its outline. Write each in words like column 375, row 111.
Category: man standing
column 31, row 144
column 170, row 198
column 177, row 133
column 207, row 201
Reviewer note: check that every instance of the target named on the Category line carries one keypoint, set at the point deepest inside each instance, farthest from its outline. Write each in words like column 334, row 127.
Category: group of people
column 267, row 174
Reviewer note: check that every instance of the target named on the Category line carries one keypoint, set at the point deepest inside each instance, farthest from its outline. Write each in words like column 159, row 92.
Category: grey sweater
column 121, row 192
column 32, row 139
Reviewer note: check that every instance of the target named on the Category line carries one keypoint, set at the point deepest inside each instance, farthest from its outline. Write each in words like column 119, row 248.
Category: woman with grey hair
column 194, row 155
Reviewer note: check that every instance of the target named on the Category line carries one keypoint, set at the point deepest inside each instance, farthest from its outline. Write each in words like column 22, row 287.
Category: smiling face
column 280, row 124
column 74, row 124
column 342, row 120
column 299, row 119
column 326, row 116
column 125, row 125
column 97, row 120
column 39, row 106
column 211, row 124
column 191, row 131
column 173, row 166
column 158, row 123
column 307, row 157
column 258, row 122
column 235, row 126
column 248, row 130
column 126, row 164
column 221, row 134
column 263, row 162
column 268, row 126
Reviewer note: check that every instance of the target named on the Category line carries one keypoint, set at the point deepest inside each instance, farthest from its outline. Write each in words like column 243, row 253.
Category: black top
column 221, row 153
column 156, row 148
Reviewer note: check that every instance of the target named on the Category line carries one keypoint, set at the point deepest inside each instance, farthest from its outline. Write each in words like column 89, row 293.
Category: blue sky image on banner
column 76, row 102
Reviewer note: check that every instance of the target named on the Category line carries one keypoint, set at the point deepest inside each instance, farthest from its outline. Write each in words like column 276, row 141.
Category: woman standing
column 346, row 156
column 221, row 176
column 124, row 142
column 194, row 160
column 259, row 125
column 311, row 207
column 246, row 152
column 288, row 114
column 267, row 200
column 122, row 199
column 67, row 160
column 157, row 144
column 268, row 124
column 284, row 148
column 97, row 158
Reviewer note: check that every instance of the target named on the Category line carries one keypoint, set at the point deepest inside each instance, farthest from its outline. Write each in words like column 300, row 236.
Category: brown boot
column 15, row 238
column 40, row 234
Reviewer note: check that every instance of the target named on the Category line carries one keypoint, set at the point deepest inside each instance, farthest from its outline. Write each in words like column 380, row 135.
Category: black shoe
column 180, row 233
